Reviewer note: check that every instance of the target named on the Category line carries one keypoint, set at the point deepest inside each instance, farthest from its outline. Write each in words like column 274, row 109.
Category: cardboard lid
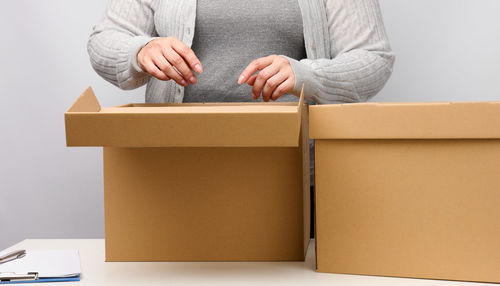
column 447, row 120
column 251, row 124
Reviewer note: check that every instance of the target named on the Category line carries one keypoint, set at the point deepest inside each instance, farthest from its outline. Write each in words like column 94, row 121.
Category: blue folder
column 41, row 280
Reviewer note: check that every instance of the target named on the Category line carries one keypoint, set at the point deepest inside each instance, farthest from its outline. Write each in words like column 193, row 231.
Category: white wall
column 447, row 50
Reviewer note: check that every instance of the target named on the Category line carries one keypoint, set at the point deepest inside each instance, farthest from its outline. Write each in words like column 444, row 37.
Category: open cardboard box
column 408, row 189
column 198, row 181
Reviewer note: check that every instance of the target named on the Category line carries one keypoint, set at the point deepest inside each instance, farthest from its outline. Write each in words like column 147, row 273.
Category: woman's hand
column 160, row 56
column 275, row 77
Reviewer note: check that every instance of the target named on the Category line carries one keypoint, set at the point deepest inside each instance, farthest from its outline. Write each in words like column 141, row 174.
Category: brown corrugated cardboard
column 409, row 190
column 406, row 120
column 182, row 125
column 200, row 182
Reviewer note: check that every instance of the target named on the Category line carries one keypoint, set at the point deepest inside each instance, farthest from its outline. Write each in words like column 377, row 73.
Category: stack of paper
column 51, row 266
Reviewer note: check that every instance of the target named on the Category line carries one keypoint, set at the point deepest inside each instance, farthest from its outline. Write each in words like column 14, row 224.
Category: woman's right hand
column 160, row 56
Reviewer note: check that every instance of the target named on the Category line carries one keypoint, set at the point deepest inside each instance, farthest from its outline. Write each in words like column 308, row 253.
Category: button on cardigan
column 348, row 54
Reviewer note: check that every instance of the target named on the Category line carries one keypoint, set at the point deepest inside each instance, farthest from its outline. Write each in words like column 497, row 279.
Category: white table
column 97, row 272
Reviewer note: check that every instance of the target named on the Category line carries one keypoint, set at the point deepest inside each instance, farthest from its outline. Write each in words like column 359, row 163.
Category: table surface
column 97, row 272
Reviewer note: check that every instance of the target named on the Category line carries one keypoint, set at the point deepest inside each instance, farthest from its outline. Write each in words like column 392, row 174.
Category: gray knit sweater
column 348, row 55
column 227, row 42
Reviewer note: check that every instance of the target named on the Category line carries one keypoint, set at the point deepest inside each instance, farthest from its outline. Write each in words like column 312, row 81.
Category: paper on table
column 48, row 263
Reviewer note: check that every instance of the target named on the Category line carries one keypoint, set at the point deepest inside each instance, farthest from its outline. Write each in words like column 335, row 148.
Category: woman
column 205, row 50
column 344, row 55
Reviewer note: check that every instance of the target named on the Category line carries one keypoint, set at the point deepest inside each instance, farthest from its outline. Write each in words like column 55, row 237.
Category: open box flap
column 188, row 125
column 447, row 120
column 86, row 102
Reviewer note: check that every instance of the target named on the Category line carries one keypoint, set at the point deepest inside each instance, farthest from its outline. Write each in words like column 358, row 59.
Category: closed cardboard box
column 409, row 190
column 200, row 182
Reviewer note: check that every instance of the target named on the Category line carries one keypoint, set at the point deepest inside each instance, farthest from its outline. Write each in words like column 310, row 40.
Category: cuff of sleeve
column 128, row 70
column 304, row 75
column 135, row 46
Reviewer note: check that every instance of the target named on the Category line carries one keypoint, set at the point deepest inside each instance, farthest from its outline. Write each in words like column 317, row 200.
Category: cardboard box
column 200, row 182
column 409, row 190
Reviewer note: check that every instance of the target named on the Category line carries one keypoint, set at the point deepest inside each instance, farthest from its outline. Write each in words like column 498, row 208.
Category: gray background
column 447, row 50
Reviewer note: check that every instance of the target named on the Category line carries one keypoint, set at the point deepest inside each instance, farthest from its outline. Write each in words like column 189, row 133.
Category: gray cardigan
column 348, row 54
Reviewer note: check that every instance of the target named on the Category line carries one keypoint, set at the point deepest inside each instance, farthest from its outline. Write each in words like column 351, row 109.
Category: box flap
column 249, row 124
column 447, row 120
column 86, row 102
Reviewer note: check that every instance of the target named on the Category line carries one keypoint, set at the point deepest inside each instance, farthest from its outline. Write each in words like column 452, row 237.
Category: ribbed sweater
column 348, row 54
column 227, row 42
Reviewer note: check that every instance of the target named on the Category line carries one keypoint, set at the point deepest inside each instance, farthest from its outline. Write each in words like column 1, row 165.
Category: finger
column 262, row 78
column 162, row 64
column 253, row 67
column 272, row 83
column 153, row 70
column 167, row 68
column 252, row 79
column 179, row 63
column 281, row 89
column 188, row 54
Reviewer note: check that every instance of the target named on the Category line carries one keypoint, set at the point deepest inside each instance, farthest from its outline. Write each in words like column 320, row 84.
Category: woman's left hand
column 275, row 77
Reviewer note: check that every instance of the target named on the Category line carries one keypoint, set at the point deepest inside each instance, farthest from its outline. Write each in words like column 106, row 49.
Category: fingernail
column 240, row 80
column 183, row 82
column 197, row 68
column 192, row 79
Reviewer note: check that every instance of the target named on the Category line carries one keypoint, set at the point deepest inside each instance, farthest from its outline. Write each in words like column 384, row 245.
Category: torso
column 230, row 34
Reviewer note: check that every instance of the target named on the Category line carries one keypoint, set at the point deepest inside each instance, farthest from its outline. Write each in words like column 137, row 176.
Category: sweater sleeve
column 360, row 61
column 113, row 45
